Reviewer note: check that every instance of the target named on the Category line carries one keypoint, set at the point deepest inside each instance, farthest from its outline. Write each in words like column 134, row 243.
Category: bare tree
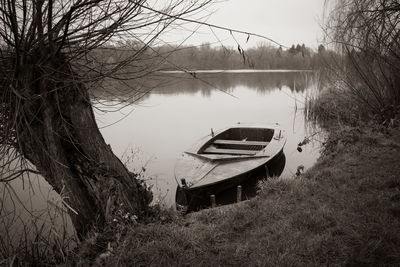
column 367, row 34
column 51, row 53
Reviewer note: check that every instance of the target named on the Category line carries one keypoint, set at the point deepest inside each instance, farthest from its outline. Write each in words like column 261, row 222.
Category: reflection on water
column 150, row 134
column 260, row 82
column 204, row 83
column 158, row 127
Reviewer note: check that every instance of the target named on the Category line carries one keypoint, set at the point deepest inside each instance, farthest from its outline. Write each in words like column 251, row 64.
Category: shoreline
column 344, row 210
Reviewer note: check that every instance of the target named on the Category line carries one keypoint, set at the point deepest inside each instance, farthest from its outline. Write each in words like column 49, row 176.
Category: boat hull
column 224, row 160
column 193, row 199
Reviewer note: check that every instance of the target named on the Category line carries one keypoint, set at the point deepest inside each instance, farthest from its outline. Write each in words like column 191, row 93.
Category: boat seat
column 213, row 150
column 240, row 142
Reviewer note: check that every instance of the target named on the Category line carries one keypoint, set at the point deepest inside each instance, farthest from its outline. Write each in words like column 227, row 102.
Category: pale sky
column 286, row 21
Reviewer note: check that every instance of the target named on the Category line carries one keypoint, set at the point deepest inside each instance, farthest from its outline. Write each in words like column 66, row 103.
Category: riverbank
column 344, row 210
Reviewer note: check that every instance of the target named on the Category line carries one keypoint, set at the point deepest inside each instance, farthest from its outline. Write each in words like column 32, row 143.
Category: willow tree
column 51, row 53
column 367, row 34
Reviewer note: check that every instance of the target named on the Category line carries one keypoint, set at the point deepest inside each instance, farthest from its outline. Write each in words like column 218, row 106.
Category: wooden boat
column 225, row 159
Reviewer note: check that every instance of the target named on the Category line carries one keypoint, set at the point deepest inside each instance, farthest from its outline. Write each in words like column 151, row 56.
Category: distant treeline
column 263, row 57
column 207, row 57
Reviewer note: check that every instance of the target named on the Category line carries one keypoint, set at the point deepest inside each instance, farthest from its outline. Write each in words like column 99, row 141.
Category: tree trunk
column 58, row 133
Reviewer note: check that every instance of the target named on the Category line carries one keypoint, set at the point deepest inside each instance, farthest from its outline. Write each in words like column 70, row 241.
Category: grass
column 40, row 236
column 338, row 105
column 343, row 211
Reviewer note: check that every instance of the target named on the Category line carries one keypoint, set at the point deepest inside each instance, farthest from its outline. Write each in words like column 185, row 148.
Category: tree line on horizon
column 206, row 57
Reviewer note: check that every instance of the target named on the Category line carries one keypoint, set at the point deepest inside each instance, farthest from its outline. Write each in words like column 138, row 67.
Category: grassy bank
column 345, row 210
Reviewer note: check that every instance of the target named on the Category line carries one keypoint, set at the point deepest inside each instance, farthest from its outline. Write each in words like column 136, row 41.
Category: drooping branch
column 50, row 54
column 367, row 34
column 231, row 30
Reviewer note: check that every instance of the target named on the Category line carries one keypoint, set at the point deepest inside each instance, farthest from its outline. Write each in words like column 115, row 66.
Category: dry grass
column 35, row 237
column 344, row 211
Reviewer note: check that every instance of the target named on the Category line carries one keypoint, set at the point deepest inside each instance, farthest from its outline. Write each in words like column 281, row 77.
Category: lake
column 150, row 133
column 165, row 116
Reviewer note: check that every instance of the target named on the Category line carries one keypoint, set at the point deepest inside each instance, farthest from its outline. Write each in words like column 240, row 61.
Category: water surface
column 166, row 115
column 154, row 131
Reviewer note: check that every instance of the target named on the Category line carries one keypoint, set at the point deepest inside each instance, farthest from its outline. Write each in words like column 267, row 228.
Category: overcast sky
column 286, row 21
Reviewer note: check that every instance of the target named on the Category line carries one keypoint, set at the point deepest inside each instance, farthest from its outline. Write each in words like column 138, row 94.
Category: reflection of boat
column 225, row 159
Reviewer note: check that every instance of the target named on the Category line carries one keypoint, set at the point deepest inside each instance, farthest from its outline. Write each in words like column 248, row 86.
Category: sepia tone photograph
column 199, row 133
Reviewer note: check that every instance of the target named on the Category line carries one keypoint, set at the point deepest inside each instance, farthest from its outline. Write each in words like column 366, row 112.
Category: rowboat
column 225, row 159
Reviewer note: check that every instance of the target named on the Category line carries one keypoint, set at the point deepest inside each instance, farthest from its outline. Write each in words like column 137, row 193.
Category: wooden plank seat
column 214, row 150
column 240, row 142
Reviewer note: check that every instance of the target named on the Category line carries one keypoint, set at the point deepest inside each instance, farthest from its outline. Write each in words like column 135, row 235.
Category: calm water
column 156, row 129
column 150, row 134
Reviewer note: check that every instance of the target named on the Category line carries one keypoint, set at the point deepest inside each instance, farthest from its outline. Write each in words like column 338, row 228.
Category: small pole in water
column 183, row 181
column 212, row 200
column 239, row 193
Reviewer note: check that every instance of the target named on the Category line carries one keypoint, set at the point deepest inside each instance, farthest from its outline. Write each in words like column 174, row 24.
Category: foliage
column 264, row 56
column 366, row 35
column 208, row 57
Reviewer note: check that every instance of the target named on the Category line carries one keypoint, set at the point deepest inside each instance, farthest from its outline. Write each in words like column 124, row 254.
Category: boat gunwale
column 224, row 158
column 204, row 146
column 268, row 158
column 194, row 187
